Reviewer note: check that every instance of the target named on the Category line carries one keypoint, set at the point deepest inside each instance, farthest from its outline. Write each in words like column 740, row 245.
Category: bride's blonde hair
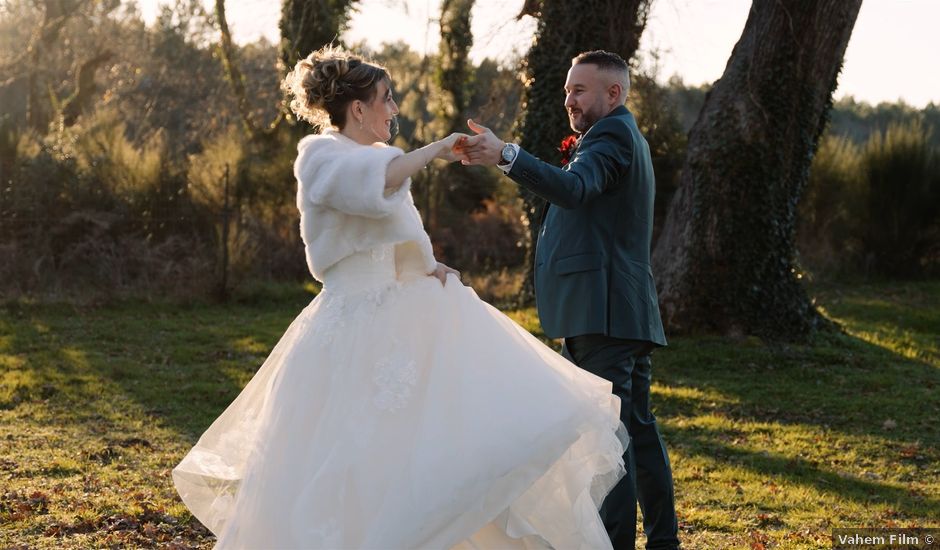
column 325, row 82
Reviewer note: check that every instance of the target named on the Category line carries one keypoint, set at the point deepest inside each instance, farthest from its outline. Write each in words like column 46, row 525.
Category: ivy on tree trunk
column 308, row 25
column 454, row 71
column 453, row 79
column 725, row 260
column 564, row 30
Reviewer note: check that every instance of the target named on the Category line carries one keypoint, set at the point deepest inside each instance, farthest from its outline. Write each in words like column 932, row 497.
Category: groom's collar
column 619, row 110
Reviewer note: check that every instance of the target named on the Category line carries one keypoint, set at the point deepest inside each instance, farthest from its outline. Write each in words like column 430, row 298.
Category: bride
column 398, row 410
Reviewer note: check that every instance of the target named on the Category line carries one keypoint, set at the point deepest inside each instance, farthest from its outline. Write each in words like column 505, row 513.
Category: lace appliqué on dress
column 382, row 253
column 395, row 379
column 333, row 318
column 326, row 534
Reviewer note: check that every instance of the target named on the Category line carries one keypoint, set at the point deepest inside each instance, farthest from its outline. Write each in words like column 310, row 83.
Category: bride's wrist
column 441, row 149
column 435, row 150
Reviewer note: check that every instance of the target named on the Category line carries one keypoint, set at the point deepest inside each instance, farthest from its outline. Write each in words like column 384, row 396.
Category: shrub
column 873, row 208
column 832, row 211
column 903, row 175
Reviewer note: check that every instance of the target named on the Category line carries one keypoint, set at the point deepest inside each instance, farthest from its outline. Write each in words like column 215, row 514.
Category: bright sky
column 892, row 54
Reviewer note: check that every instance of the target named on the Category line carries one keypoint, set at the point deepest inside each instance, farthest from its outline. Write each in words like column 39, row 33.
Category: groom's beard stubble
column 583, row 122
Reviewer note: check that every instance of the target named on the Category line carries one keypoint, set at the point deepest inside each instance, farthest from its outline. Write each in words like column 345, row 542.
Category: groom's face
column 586, row 92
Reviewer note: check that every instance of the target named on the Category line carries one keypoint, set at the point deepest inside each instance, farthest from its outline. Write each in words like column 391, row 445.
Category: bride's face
column 377, row 115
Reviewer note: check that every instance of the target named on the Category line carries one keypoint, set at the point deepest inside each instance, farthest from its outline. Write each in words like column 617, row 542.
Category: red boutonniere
column 567, row 148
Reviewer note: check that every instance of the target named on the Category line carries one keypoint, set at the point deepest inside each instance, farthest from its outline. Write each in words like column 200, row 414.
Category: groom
column 593, row 282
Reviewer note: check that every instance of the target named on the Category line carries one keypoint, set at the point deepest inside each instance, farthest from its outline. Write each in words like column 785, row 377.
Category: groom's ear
column 614, row 92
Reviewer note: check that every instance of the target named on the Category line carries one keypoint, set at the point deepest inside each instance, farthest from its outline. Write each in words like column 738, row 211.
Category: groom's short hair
column 605, row 61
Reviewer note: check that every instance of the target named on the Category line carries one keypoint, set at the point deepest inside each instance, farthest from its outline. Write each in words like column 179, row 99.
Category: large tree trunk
column 452, row 77
column 453, row 67
column 725, row 259
column 566, row 29
column 308, row 25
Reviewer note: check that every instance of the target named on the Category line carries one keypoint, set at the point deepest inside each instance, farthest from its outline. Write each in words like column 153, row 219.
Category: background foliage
column 130, row 197
column 153, row 174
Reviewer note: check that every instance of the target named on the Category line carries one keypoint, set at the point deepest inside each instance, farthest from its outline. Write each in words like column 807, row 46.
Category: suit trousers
column 626, row 363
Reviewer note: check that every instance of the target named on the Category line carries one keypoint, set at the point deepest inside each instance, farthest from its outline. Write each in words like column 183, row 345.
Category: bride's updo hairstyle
column 327, row 81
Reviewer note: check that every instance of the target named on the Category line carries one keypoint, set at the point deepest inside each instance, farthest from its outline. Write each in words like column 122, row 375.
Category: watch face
column 509, row 153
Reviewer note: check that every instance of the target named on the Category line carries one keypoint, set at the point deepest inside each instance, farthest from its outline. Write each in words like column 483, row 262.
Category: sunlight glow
column 891, row 54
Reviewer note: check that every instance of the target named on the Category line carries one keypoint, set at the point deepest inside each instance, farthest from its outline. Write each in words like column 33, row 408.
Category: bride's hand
column 450, row 147
column 442, row 271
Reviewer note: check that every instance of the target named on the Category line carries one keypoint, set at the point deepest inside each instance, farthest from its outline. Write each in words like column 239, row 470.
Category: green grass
column 772, row 445
column 776, row 445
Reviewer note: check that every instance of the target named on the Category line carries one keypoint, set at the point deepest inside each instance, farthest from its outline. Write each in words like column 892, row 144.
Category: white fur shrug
column 342, row 202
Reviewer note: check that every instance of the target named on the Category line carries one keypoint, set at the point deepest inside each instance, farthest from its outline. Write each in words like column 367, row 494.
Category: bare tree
column 56, row 13
column 228, row 52
column 83, row 97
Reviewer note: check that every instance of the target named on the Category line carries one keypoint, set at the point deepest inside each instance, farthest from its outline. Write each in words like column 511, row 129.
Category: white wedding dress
column 396, row 413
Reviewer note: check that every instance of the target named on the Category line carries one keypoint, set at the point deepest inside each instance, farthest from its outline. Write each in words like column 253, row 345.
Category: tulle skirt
column 399, row 415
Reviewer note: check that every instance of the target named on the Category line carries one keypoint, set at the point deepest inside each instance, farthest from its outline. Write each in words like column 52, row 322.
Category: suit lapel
column 618, row 111
column 544, row 213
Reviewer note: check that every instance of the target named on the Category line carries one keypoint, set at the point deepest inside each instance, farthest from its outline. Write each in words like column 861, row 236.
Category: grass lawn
column 772, row 445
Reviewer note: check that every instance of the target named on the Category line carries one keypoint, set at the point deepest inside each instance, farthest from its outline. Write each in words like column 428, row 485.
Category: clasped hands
column 481, row 149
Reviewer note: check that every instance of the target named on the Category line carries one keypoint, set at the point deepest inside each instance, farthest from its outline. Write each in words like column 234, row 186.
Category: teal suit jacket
column 592, row 258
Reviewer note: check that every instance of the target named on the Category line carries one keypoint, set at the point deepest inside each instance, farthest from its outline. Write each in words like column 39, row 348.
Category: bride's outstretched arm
column 403, row 167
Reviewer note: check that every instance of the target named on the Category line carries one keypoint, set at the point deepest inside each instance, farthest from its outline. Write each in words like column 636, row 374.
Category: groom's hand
column 484, row 148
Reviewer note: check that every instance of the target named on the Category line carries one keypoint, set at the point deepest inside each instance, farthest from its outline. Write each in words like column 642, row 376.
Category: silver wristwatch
column 507, row 156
